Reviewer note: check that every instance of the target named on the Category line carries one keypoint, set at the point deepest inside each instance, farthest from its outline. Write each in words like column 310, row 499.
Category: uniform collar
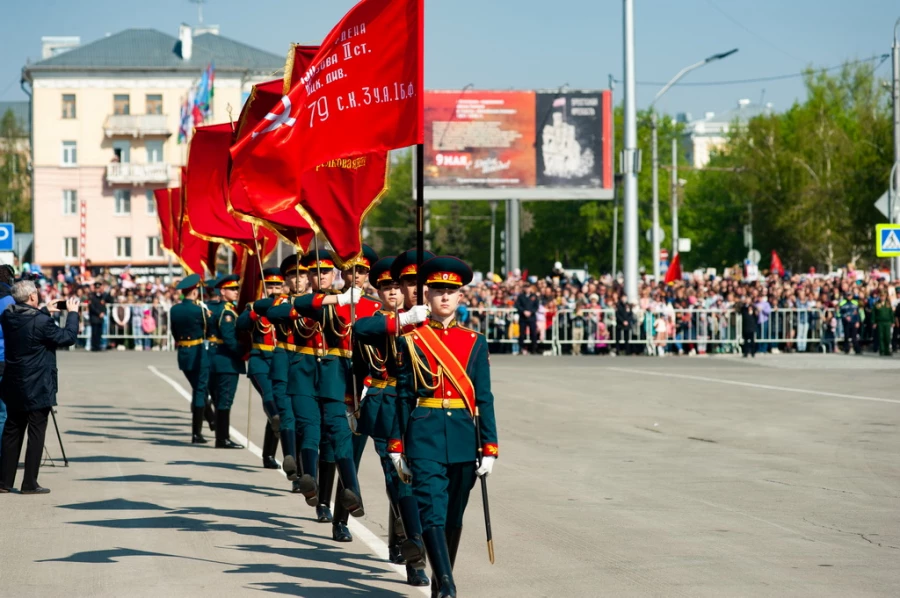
column 437, row 325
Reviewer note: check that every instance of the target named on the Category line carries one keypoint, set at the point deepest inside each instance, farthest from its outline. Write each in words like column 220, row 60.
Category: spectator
column 527, row 306
column 29, row 382
column 6, row 277
column 749, row 328
column 850, row 318
column 624, row 326
column 97, row 315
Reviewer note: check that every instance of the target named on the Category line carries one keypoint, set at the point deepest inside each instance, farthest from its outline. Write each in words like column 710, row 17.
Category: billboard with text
column 532, row 145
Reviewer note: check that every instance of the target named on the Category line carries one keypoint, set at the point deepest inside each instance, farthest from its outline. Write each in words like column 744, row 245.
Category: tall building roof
column 19, row 110
column 149, row 49
column 718, row 124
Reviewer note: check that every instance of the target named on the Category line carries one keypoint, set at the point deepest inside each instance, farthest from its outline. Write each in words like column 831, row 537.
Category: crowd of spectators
column 529, row 314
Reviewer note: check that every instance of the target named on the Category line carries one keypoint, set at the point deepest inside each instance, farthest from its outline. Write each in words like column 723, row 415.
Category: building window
column 68, row 105
column 153, row 249
column 154, row 103
column 154, row 152
column 121, row 103
column 123, row 201
column 70, row 247
column 123, row 247
column 70, row 202
column 69, row 153
column 151, row 203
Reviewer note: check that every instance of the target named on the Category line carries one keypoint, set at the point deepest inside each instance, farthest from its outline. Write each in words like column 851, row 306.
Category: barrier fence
column 146, row 327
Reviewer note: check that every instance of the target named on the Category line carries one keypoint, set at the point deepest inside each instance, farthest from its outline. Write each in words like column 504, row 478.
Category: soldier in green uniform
column 376, row 344
column 259, row 365
column 228, row 363
column 209, row 296
column 403, row 269
column 444, row 387
column 884, row 318
column 188, row 321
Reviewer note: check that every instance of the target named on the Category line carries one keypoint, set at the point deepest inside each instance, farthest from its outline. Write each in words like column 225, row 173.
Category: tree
column 392, row 224
column 15, row 180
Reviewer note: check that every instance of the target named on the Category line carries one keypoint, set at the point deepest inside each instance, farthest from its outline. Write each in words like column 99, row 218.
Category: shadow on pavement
column 215, row 465
column 177, row 481
column 114, row 504
column 106, row 459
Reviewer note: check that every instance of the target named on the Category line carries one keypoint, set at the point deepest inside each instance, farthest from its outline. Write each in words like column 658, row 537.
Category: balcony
column 129, row 173
column 136, row 125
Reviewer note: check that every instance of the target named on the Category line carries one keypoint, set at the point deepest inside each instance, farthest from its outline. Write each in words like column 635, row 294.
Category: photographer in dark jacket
column 29, row 381
column 6, row 278
column 527, row 305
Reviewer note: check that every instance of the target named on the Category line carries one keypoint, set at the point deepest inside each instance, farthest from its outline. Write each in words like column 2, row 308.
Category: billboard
column 518, row 144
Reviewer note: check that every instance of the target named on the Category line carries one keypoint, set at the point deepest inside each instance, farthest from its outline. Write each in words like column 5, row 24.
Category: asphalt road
column 778, row 476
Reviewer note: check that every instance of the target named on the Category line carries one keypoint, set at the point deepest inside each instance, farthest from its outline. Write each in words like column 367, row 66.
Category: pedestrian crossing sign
column 887, row 240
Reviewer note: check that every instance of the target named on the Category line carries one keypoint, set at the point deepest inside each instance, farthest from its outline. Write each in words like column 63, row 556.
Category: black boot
column 350, row 497
column 307, row 482
column 272, row 415
column 394, row 539
column 197, row 426
column 453, row 536
column 340, row 533
column 416, row 577
column 289, row 450
column 223, row 419
column 270, row 445
column 210, row 415
column 412, row 548
column 326, row 484
column 295, row 487
column 442, row 571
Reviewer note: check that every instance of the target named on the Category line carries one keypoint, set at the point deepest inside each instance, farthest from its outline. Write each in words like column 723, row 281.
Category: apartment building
column 105, row 120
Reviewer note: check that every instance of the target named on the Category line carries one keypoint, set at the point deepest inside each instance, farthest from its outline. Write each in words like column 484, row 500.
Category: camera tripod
column 59, row 438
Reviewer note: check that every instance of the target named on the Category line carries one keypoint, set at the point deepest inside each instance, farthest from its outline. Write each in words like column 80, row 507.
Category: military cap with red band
column 405, row 263
column 229, row 281
column 321, row 260
column 445, row 270
column 273, row 276
column 380, row 272
column 366, row 259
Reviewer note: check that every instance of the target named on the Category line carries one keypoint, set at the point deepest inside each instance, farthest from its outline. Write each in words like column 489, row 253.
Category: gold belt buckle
column 320, row 352
column 445, row 404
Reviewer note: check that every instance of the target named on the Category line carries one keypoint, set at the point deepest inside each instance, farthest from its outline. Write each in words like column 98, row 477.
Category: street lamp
column 655, row 232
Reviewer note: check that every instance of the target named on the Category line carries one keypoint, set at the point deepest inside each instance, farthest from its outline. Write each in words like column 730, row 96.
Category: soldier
column 212, row 302
column 376, row 338
column 404, row 270
column 259, row 365
column 188, row 322
column 884, row 318
column 329, row 409
column 446, row 407
column 228, row 363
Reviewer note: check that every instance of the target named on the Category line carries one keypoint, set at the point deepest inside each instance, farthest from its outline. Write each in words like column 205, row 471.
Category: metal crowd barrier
column 130, row 332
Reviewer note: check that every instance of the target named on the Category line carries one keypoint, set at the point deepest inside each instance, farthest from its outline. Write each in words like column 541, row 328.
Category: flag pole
column 420, row 155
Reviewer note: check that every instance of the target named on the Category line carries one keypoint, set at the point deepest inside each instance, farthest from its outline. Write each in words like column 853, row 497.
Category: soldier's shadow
column 179, row 481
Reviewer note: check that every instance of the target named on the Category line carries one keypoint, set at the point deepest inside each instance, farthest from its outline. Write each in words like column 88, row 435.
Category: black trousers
column 528, row 325
column 749, row 345
column 13, row 437
column 96, row 335
column 622, row 338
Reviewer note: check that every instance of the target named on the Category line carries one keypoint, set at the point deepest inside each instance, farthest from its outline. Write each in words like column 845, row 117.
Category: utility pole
column 895, row 89
column 494, row 203
column 674, row 197
column 630, row 158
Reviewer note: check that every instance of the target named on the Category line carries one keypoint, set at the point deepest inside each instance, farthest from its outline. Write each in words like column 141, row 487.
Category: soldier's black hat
column 380, row 272
column 188, row 282
column 229, row 281
column 273, row 276
column 367, row 259
column 210, row 283
column 405, row 263
column 445, row 270
column 289, row 264
column 321, row 260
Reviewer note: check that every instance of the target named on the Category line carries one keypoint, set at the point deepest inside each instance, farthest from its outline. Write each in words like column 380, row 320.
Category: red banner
column 360, row 94
column 164, row 214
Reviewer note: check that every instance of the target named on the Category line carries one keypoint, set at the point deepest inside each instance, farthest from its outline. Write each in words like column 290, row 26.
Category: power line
column 751, row 32
column 882, row 57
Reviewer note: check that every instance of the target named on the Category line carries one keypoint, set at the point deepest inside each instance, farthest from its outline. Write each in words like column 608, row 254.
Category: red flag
column 362, row 93
column 674, row 272
column 164, row 214
column 251, row 280
column 207, row 188
column 776, row 265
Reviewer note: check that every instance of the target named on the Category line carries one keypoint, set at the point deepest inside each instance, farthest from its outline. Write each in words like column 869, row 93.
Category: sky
column 525, row 44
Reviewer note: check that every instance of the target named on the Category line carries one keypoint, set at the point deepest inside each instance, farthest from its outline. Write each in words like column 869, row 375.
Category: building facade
column 105, row 121
column 705, row 136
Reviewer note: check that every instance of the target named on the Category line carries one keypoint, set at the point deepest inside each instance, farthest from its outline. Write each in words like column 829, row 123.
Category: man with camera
column 29, row 382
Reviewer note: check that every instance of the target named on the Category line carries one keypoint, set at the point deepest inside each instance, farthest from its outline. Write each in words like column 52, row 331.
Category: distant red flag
column 251, row 280
column 164, row 214
column 776, row 265
column 362, row 93
column 674, row 272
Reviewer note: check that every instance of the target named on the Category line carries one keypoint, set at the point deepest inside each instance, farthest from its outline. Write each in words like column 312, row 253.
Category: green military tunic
column 228, row 363
column 189, row 327
column 884, row 319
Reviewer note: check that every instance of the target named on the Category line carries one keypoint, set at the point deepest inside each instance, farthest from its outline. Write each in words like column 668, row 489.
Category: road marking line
column 754, row 385
column 378, row 546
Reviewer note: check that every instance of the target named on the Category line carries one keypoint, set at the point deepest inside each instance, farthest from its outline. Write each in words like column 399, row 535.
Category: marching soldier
column 404, row 270
column 228, row 363
column 259, row 365
column 884, row 318
column 328, row 409
column 446, row 434
column 376, row 339
column 188, row 323
column 212, row 302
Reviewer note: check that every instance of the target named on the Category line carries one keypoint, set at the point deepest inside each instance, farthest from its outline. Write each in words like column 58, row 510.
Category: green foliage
column 392, row 224
column 15, row 180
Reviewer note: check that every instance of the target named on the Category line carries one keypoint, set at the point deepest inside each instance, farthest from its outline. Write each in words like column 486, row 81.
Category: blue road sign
column 887, row 239
column 7, row 236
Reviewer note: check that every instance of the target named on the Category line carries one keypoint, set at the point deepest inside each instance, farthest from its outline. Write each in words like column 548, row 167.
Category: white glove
column 416, row 315
column 362, row 395
column 351, row 420
column 487, row 464
column 402, row 468
column 351, row 295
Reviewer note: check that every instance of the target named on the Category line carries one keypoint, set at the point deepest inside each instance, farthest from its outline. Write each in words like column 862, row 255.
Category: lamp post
column 895, row 178
column 653, row 125
column 629, row 158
